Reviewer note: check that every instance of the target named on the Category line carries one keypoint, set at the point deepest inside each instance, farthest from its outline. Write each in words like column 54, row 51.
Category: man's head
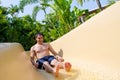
column 39, row 37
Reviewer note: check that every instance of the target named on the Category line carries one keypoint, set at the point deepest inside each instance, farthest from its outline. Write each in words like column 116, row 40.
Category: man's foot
column 56, row 71
column 67, row 66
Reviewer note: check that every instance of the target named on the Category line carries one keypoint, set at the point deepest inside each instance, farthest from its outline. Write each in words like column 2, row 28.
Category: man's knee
column 54, row 62
column 47, row 67
column 45, row 63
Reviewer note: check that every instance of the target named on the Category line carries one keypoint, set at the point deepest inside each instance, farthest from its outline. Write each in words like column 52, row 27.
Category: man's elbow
column 32, row 60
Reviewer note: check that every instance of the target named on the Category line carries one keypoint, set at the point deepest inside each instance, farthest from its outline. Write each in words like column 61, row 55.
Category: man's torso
column 41, row 50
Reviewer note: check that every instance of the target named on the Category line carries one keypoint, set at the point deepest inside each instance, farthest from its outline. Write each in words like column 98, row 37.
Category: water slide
column 93, row 48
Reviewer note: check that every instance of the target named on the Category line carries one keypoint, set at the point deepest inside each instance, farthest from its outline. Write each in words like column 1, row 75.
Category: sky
column 91, row 5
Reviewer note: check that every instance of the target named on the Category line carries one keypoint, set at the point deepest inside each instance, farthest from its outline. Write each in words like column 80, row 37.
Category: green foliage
column 23, row 29
column 81, row 1
column 17, row 29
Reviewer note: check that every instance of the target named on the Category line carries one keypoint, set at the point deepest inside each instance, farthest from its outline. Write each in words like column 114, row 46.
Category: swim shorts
column 42, row 60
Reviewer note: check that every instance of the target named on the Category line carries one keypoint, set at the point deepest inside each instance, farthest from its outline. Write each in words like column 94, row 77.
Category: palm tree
column 62, row 10
column 97, row 1
column 99, row 4
column 41, row 5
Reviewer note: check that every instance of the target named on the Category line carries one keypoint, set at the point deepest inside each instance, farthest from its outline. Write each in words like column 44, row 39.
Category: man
column 51, row 63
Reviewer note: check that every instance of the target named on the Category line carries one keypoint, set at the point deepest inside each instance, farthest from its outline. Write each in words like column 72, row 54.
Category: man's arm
column 32, row 56
column 55, row 53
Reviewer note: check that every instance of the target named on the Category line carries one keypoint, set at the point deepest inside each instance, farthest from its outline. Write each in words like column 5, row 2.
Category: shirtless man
column 51, row 63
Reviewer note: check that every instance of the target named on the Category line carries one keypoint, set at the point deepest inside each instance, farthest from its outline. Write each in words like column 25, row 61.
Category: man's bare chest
column 41, row 48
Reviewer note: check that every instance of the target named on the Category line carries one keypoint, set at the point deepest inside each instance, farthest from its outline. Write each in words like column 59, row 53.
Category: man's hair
column 38, row 34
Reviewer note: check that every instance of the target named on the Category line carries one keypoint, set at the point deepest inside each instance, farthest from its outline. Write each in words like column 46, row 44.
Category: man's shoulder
column 32, row 48
column 47, row 44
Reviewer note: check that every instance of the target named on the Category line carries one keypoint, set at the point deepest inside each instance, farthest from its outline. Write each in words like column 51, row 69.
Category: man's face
column 39, row 38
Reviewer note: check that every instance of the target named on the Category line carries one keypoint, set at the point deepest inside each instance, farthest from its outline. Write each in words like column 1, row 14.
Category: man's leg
column 50, row 69
column 67, row 66
column 53, row 61
column 46, row 65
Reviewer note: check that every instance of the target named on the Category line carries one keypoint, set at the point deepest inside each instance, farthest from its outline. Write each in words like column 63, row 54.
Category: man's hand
column 36, row 65
column 33, row 62
column 59, row 58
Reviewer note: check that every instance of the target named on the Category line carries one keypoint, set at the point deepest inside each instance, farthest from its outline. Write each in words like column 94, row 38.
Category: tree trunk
column 99, row 4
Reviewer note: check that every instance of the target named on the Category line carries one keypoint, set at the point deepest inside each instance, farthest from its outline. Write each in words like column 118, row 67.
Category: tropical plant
column 40, row 5
column 58, row 22
column 17, row 29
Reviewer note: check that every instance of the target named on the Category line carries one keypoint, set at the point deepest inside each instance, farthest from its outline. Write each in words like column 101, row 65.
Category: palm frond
column 35, row 11
column 81, row 1
column 23, row 3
